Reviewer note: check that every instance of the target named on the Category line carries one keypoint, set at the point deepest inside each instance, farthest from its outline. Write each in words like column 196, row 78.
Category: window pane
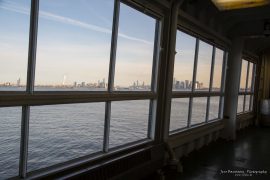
column 198, row 110
column 250, row 75
column 184, row 62
column 73, row 50
column 14, row 20
column 129, row 121
column 213, row 108
column 243, row 75
column 204, row 66
column 247, row 102
column 135, row 47
column 217, row 70
column 179, row 113
column 59, row 133
column 10, row 123
column 240, row 105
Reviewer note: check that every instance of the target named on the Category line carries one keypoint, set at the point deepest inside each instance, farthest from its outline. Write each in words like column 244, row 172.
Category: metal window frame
column 208, row 94
column 210, row 83
column 252, row 87
column 114, row 38
column 223, row 80
column 154, row 81
column 246, row 92
column 30, row 97
column 246, row 86
column 34, row 11
column 197, row 46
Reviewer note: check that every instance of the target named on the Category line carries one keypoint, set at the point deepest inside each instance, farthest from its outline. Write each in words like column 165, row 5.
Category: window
column 179, row 113
column 198, row 110
column 246, row 87
column 243, row 80
column 247, row 103
column 73, row 46
column 80, row 63
column 217, row 75
column 240, row 106
column 203, row 67
column 214, row 108
column 14, row 20
column 129, row 122
column 134, row 70
column 59, row 133
column 184, row 62
column 198, row 83
column 10, row 118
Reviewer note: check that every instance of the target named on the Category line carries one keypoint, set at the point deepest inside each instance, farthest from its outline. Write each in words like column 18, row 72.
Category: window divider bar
column 221, row 107
column 154, row 85
column 33, row 29
column 247, row 77
column 190, row 111
column 151, row 119
column 211, row 82
column 193, row 81
column 212, row 69
column 254, row 74
column 182, row 94
column 113, row 45
column 246, row 87
column 35, row 99
column 24, row 141
column 107, row 126
column 156, row 54
column 252, row 87
column 207, row 109
column 224, row 71
column 250, row 100
column 223, row 80
column 114, row 37
column 195, row 65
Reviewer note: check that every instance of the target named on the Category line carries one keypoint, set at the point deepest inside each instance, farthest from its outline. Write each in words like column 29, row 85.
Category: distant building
column 201, row 85
column 182, row 85
column 177, row 85
column 19, row 82
column 83, row 84
column 186, row 84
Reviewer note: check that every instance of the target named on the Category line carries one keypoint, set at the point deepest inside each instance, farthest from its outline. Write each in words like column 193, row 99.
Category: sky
column 74, row 41
column 184, row 60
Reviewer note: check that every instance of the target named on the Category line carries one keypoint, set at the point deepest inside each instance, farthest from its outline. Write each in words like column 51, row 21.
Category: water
column 59, row 133
column 180, row 107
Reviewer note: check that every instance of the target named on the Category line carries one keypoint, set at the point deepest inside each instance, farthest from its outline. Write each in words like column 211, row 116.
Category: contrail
column 65, row 20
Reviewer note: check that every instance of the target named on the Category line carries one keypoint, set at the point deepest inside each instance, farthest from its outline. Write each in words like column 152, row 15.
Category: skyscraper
column 19, row 82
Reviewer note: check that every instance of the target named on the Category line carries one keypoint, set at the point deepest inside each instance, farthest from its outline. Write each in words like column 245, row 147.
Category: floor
column 229, row 160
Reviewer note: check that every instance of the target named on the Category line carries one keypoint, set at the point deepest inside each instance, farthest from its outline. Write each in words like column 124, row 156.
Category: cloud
column 65, row 20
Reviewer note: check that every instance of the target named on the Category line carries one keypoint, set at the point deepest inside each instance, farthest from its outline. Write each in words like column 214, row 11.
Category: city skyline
column 177, row 84
column 76, row 84
column 74, row 38
column 74, row 41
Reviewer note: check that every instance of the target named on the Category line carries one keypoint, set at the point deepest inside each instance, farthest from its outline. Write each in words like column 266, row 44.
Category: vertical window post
column 153, row 103
column 222, row 88
column 111, row 74
column 246, row 87
column 193, row 81
column 211, row 83
column 29, row 87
